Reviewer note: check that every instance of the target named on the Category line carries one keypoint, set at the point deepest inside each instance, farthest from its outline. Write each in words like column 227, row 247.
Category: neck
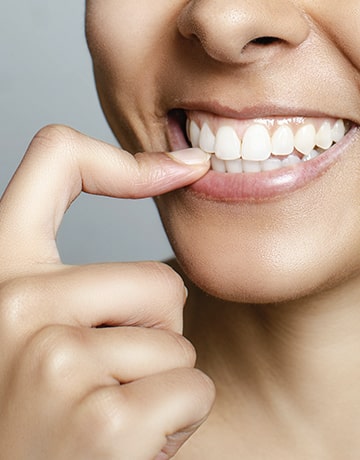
column 298, row 361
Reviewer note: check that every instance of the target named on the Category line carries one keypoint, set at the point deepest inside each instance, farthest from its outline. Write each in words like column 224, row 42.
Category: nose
column 225, row 29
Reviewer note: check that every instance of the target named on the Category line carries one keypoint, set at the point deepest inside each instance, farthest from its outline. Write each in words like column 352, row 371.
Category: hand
column 93, row 364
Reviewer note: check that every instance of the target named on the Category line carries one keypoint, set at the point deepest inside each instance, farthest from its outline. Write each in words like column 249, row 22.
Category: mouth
column 259, row 158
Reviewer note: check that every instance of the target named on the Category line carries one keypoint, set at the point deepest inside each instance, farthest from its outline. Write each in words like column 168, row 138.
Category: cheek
column 117, row 42
column 125, row 39
column 270, row 252
column 341, row 22
column 129, row 38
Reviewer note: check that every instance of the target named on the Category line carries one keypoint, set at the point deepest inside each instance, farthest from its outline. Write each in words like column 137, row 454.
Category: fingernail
column 191, row 156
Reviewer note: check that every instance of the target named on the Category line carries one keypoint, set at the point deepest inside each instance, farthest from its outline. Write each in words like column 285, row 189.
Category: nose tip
column 226, row 28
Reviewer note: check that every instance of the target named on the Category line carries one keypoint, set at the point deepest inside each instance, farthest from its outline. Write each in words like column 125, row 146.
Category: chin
column 233, row 277
column 271, row 251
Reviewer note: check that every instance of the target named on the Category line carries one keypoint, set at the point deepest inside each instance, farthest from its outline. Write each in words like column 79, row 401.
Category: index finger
column 60, row 163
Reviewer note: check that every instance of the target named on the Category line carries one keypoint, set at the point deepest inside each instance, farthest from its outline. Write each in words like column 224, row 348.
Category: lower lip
column 268, row 185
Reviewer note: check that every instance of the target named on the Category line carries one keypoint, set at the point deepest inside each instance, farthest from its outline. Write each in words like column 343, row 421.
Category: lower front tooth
column 251, row 166
column 313, row 154
column 234, row 166
column 291, row 160
column 271, row 164
column 217, row 165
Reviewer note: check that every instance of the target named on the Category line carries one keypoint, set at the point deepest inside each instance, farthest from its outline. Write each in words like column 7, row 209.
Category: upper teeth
column 256, row 143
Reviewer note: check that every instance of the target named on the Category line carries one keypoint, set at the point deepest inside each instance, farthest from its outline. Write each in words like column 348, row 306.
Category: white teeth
column 257, row 151
column 291, row 160
column 323, row 138
column 251, row 166
column 194, row 133
column 338, row 131
column 207, row 139
column 234, row 166
column 227, row 144
column 283, row 141
column 217, row 164
column 313, row 154
column 271, row 164
column 256, row 144
column 305, row 139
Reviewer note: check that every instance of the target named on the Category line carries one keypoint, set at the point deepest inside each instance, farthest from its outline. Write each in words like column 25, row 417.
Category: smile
column 262, row 144
column 257, row 159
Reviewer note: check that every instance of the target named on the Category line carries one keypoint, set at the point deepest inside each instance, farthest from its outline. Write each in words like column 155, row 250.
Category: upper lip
column 261, row 111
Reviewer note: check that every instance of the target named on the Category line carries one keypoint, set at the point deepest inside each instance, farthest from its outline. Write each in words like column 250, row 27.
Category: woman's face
column 266, row 84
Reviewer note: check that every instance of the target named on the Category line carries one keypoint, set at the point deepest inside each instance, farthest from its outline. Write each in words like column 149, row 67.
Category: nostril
column 265, row 41
column 225, row 30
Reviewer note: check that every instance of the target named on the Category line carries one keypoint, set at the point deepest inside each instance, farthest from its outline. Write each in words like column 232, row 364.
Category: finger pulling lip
column 256, row 186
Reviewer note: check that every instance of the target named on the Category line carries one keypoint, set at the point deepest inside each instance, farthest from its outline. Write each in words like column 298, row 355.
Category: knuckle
column 54, row 352
column 171, row 282
column 17, row 297
column 185, row 348
column 54, row 136
column 205, row 388
column 172, row 289
column 108, row 412
column 195, row 391
column 170, row 276
column 162, row 294
column 164, row 274
column 174, row 297
column 55, row 143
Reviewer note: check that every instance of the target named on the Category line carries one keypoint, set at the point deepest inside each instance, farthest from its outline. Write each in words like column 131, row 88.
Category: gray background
column 46, row 77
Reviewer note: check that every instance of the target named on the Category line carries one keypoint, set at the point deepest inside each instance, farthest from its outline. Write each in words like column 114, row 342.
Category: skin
column 281, row 344
column 70, row 388
column 137, row 105
column 273, row 305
